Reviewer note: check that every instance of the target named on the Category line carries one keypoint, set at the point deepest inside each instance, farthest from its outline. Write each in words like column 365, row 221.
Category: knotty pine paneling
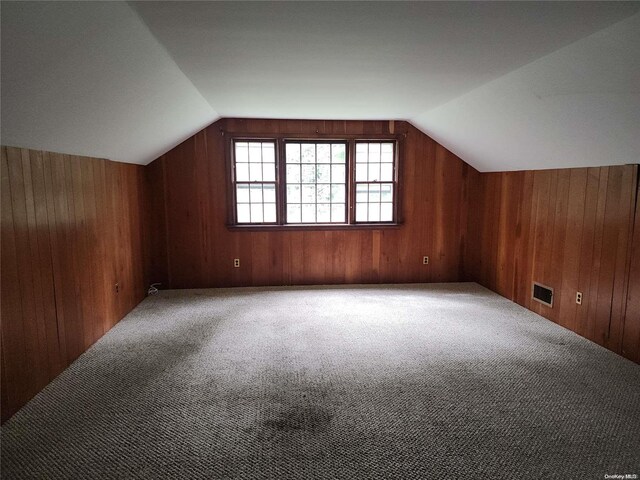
column 570, row 229
column 194, row 248
column 72, row 228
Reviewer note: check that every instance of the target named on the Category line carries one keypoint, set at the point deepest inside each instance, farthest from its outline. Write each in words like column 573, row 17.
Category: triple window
column 314, row 182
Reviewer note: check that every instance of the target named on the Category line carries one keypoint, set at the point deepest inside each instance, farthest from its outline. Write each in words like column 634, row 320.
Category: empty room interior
column 320, row 240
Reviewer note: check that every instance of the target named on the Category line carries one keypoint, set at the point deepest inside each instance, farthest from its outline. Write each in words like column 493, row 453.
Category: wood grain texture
column 71, row 229
column 188, row 190
column 631, row 327
column 570, row 229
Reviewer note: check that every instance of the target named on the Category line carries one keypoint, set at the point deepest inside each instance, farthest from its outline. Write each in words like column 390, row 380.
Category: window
column 298, row 182
column 255, row 174
column 316, row 178
column 374, row 181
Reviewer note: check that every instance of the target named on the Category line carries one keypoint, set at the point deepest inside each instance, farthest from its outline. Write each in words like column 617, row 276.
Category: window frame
column 281, row 187
column 287, row 140
column 354, row 182
column 234, row 183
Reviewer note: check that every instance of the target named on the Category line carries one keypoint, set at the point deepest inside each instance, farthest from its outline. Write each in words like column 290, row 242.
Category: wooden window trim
column 276, row 182
column 280, row 141
column 354, row 182
column 346, row 179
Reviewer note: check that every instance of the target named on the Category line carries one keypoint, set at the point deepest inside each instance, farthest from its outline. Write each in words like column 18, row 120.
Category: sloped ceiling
column 578, row 106
column 88, row 78
column 504, row 85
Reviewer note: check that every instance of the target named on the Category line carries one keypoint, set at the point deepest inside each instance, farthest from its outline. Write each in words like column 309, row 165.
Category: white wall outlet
column 579, row 298
column 236, row 262
column 425, row 260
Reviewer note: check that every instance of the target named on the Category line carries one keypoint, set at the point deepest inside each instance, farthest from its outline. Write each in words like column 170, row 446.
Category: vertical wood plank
column 576, row 235
column 59, row 245
column 13, row 343
column 200, row 249
column 631, row 327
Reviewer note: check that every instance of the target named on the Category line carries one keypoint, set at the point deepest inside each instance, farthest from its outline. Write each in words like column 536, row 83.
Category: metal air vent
column 543, row 294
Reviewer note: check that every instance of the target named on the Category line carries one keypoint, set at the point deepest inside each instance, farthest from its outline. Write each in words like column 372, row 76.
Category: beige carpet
column 407, row 381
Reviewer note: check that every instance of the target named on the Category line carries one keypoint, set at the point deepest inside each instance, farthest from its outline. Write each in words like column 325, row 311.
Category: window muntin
column 313, row 182
column 374, row 181
column 255, row 181
column 316, row 182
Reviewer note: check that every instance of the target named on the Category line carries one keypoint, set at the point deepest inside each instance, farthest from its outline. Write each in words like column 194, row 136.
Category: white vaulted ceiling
column 505, row 86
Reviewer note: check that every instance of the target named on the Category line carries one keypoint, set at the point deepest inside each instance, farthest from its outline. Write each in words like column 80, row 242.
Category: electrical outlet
column 425, row 260
column 236, row 262
column 579, row 298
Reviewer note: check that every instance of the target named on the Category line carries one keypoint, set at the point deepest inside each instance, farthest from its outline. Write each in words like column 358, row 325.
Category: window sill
column 313, row 227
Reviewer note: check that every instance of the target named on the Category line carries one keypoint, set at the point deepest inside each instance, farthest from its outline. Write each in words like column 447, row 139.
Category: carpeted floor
column 406, row 381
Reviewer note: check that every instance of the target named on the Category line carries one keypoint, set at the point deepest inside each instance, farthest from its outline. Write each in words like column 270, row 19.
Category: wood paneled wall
column 193, row 247
column 72, row 228
column 569, row 229
column 631, row 329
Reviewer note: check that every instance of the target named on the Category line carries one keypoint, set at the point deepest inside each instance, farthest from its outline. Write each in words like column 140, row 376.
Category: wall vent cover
column 543, row 294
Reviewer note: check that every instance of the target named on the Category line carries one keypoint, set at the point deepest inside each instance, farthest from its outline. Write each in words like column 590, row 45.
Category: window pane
column 337, row 212
column 293, row 193
column 374, row 193
column 255, row 172
column 386, row 192
column 293, row 153
column 269, row 172
column 293, row 213
column 324, row 174
column 255, row 162
column 323, row 193
column 293, row 173
column 374, row 152
column 324, row 153
column 242, row 152
column 308, row 193
column 362, row 193
column 374, row 212
column 243, row 213
column 268, row 153
column 374, row 164
column 338, row 174
column 308, row 213
column 386, row 212
column 308, row 153
column 242, row 172
column 270, row 212
column 317, row 183
column 242, row 193
column 308, row 174
column 324, row 213
column 255, row 193
column 269, row 192
column 256, row 213
column 255, row 152
column 374, row 172
column 337, row 193
column 338, row 154
column 386, row 152
column 386, row 172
